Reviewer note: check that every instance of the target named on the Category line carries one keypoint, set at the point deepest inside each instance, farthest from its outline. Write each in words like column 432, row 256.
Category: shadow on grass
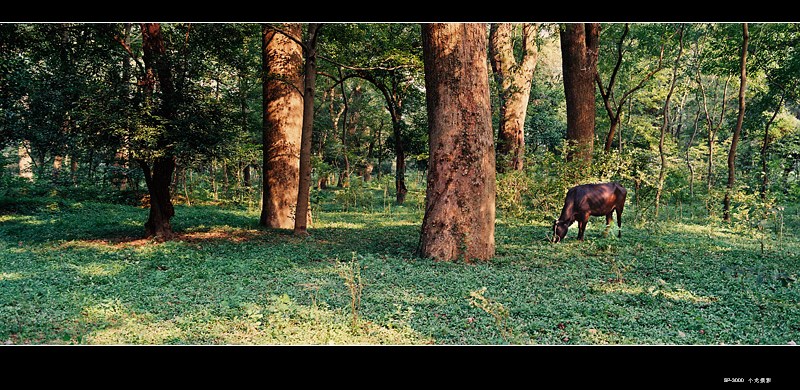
column 112, row 223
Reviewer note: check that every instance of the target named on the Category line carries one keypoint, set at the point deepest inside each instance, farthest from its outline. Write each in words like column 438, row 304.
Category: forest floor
column 81, row 273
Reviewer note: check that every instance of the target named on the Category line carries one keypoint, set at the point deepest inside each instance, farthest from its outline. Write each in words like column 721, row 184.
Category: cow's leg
column 582, row 220
column 619, row 222
column 609, row 220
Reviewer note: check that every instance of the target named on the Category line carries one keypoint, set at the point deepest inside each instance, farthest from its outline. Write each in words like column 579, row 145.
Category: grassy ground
column 80, row 273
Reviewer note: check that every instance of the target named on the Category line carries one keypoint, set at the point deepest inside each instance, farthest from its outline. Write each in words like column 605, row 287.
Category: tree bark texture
column 303, row 212
column 460, row 199
column 514, row 79
column 726, row 207
column 159, row 176
column 282, row 61
column 579, row 52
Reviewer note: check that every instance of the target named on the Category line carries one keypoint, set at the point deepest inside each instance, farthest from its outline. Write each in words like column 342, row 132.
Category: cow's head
column 559, row 230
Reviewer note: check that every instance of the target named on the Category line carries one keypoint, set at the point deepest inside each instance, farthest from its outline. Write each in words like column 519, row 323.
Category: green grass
column 80, row 273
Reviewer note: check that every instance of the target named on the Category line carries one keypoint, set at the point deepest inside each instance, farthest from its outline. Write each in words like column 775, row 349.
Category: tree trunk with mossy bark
column 460, row 199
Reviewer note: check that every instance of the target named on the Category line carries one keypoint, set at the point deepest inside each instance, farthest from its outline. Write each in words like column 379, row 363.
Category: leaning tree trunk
column 460, row 198
column 160, row 174
column 579, row 52
column 726, row 208
column 303, row 213
column 515, row 90
column 282, row 127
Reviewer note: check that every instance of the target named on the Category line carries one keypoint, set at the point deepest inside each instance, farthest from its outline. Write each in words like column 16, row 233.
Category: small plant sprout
column 351, row 273
column 495, row 309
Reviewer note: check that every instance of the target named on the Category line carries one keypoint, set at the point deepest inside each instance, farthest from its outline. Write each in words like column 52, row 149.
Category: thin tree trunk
column 460, row 199
column 665, row 124
column 688, row 148
column 726, row 207
column 301, row 221
column 344, row 174
column 764, row 146
column 283, row 122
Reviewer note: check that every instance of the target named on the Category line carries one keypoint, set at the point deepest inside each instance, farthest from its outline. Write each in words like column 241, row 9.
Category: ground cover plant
column 78, row 272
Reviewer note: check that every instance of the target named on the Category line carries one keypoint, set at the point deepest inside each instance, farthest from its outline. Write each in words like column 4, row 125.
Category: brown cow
column 590, row 200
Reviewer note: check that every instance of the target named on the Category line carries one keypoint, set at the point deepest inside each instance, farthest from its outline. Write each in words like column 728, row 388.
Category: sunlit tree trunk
column 282, row 61
column 25, row 161
column 726, row 207
column 514, row 79
column 579, row 52
column 460, row 198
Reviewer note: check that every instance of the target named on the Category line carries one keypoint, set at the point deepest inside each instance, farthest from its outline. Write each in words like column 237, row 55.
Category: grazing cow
column 590, row 200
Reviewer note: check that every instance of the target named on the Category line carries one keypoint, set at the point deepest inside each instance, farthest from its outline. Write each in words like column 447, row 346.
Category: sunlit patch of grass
column 116, row 324
column 10, row 276
column 100, row 269
column 684, row 295
column 342, row 225
column 600, row 337
column 280, row 321
column 677, row 294
column 621, row 288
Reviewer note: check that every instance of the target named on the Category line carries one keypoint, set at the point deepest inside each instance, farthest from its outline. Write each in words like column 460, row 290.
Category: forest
column 398, row 183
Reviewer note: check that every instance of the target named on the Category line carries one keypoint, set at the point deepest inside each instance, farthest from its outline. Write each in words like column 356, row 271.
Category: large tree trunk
column 283, row 121
column 460, row 198
column 726, row 208
column 515, row 89
column 303, row 213
column 579, row 52
column 160, row 176
column 161, row 210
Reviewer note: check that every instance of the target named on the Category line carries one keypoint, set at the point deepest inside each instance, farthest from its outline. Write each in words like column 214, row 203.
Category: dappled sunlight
column 100, row 269
column 10, row 276
column 621, row 288
column 121, row 325
column 229, row 235
column 600, row 337
column 278, row 321
column 341, row 225
column 674, row 294
column 685, row 295
column 709, row 231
